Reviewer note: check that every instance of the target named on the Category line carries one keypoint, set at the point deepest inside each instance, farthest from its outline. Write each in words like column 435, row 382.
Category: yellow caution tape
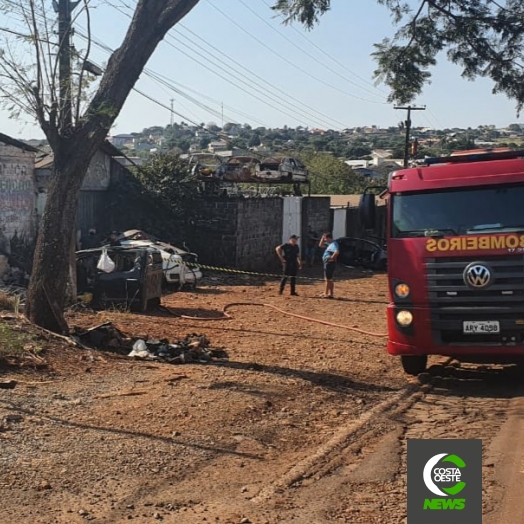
column 242, row 272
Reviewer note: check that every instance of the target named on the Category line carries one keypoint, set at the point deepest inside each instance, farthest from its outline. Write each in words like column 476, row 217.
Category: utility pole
column 64, row 9
column 408, row 129
column 172, row 114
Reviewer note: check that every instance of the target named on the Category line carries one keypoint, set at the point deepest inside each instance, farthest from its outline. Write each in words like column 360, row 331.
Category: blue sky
column 275, row 75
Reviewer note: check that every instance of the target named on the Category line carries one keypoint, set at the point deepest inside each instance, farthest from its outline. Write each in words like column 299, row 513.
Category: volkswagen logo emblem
column 477, row 275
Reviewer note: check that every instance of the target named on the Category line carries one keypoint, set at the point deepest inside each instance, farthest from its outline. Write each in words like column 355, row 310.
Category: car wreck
column 281, row 169
column 180, row 267
column 135, row 282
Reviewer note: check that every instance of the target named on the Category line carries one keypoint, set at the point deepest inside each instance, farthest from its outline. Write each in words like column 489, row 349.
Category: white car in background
column 180, row 266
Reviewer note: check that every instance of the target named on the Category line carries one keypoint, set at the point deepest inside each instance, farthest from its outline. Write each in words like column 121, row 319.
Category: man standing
column 289, row 255
column 329, row 258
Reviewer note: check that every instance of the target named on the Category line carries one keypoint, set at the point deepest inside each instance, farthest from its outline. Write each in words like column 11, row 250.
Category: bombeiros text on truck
column 455, row 240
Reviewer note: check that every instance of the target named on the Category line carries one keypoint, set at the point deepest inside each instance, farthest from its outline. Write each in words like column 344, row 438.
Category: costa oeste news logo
column 433, row 476
column 444, row 481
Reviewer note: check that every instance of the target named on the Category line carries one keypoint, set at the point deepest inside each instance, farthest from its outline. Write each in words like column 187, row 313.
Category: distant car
column 240, row 168
column 206, row 166
column 284, row 169
column 178, row 264
column 361, row 252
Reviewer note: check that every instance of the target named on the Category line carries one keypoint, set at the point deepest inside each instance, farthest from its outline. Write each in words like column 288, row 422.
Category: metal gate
column 292, row 217
column 339, row 222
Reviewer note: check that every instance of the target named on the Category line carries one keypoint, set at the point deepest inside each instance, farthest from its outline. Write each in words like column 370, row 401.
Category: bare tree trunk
column 47, row 293
column 73, row 149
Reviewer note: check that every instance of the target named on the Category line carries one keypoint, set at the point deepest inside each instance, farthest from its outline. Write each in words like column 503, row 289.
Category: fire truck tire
column 414, row 364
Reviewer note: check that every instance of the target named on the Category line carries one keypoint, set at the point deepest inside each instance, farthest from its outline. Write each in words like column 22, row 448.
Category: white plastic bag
column 105, row 263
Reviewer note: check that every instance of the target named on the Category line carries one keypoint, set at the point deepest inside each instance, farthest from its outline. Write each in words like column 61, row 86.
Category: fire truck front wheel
column 414, row 364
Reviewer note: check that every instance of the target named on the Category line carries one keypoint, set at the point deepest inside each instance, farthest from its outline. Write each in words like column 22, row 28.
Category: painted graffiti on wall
column 17, row 193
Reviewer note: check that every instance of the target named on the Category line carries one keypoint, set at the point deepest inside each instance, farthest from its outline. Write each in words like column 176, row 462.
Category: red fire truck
column 455, row 238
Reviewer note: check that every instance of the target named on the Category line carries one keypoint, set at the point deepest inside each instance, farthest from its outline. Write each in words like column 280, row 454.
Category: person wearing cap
column 329, row 258
column 289, row 255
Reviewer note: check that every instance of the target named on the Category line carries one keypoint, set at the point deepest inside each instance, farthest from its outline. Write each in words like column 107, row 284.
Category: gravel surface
column 99, row 436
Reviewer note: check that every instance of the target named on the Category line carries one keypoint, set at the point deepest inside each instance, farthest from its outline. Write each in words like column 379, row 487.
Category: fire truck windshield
column 458, row 211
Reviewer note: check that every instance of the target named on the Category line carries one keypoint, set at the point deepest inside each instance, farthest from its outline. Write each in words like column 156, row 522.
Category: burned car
column 282, row 169
column 179, row 266
column 240, row 168
column 135, row 282
column 369, row 253
column 205, row 166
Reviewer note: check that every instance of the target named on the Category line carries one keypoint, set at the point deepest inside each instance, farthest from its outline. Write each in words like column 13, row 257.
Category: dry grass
column 14, row 342
column 8, row 302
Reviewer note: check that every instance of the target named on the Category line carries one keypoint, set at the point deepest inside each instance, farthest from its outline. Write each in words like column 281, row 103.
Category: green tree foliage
column 166, row 177
column 330, row 176
column 485, row 38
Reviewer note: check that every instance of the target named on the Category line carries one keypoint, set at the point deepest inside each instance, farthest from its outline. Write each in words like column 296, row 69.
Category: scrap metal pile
column 193, row 348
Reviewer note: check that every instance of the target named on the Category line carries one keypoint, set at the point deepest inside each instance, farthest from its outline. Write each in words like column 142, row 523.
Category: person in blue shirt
column 329, row 258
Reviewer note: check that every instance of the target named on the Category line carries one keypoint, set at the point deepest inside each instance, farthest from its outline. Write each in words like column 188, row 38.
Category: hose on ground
column 284, row 312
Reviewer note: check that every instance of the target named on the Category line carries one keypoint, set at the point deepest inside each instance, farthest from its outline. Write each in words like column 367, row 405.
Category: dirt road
column 303, row 423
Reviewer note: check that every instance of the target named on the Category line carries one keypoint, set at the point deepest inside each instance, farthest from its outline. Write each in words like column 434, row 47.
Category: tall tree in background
column 37, row 78
column 484, row 37
column 331, row 176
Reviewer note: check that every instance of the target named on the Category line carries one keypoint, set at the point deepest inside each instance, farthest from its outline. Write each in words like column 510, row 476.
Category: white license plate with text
column 480, row 327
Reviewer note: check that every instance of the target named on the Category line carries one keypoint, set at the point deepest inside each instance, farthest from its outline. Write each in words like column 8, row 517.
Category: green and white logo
column 444, row 487
column 446, row 473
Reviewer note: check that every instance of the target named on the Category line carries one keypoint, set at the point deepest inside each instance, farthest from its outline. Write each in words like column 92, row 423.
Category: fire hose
column 284, row 312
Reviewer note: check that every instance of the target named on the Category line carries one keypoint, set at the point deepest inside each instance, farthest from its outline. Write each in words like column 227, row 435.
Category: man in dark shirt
column 289, row 255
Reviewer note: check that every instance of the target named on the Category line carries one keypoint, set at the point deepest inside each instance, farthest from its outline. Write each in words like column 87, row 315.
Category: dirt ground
column 101, row 437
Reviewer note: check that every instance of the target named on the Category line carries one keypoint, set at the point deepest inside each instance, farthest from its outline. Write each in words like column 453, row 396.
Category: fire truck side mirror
column 366, row 211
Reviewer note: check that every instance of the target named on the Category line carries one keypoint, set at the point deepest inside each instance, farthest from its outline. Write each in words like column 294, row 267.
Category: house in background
column 94, row 201
column 17, row 190
column 123, row 140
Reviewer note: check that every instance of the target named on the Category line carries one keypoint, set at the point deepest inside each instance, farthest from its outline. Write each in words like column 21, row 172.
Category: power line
column 291, row 63
column 256, row 89
column 244, row 81
column 276, row 88
column 338, row 62
column 323, row 64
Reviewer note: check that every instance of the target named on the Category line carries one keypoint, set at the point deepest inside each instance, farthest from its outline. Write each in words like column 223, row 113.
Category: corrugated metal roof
column 46, row 161
column 17, row 143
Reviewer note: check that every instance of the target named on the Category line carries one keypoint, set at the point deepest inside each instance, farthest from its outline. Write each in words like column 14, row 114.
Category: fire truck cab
column 455, row 240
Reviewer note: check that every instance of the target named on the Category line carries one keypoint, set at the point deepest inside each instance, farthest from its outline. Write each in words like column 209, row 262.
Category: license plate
column 481, row 327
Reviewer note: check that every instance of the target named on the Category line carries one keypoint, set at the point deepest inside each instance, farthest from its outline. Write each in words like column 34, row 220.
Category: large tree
column 74, row 126
column 484, row 37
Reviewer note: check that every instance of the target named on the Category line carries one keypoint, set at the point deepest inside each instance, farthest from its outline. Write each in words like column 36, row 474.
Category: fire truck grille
column 453, row 302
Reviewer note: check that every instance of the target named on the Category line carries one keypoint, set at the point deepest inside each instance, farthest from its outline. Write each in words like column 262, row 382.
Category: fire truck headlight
column 402, row 290
column 404, row 318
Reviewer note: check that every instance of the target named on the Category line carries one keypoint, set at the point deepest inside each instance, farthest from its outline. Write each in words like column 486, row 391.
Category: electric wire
column 305, row 118
column 265, row 80
column 290, row 62
column 332, row 58
column 309, row 55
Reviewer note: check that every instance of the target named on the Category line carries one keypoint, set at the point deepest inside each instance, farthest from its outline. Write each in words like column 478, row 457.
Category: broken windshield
column 458, row 211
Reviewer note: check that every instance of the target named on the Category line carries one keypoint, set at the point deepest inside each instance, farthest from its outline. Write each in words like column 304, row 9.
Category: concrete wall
column 17, row 192
column 316, row 211
column 243, row 233
column 239, row 233
column 259, row 223
column 215, row 235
